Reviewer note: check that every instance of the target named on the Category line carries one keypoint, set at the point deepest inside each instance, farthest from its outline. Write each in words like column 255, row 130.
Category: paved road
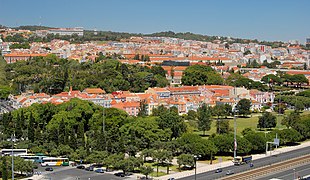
column 289, row 174
column 68, row 173
column 257, row 163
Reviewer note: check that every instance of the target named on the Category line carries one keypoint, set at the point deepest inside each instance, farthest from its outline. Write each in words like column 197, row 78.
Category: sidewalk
column 201, row 168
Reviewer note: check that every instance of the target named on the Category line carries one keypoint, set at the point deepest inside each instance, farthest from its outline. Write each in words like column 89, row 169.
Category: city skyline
column 262, row 20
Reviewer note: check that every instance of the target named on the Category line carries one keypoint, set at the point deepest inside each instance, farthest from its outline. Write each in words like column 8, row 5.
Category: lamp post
column 235, row 136
column 12, row 157
column 103, row 127
column 294, row 174
column 235, row 125
column 195, row 160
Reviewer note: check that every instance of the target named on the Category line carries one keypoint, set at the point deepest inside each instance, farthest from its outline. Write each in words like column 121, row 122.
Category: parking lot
column 73, row 173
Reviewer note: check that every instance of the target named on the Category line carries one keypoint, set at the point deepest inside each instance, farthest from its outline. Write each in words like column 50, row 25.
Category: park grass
column 216, row 160
column 154, row 174
column 248, row 122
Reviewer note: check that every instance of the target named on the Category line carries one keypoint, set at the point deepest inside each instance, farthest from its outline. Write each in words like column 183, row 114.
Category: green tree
column 200, row 75
column 204, row 118
column 185, row 160
column 31, row 128
column 19, row 128
column 243, row 107
column 113, row 159
column 257, row 140
column 172, row 121
column 97, row 157
column 164, row 157
column 291, row 120
column 4, row 169
column 142, row 108
column 147, row 153
column 267, row 120
column 80, row 134
column 146, row 170
column 222, row 126
column 289, row 136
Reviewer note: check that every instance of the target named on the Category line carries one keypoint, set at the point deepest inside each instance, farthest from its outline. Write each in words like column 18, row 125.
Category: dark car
column 80, row 167
column 171, row 179
column 119, row 174
column 230, row 172
column 99, row 171
column 49, row 169
column 219, row 170
column 90, row 168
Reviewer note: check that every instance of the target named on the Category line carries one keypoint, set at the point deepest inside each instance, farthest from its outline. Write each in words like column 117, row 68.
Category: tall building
column 308, row 42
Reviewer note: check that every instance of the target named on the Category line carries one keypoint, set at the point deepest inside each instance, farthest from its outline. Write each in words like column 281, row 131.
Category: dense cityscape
column 89, row 104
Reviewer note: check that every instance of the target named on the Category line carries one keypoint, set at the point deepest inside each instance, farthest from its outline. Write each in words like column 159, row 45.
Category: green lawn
column 249, row 122
column 154, row 174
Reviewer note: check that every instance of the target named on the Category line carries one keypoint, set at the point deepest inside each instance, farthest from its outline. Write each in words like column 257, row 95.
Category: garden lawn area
column 154, row 174
column 216, row 160
column 161, row 169
column 249, row 122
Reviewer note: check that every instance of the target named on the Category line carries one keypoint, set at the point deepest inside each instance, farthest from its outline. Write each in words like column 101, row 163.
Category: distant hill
column 117, row 36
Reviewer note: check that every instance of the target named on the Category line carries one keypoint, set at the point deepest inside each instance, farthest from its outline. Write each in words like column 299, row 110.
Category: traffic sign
column 276, row 141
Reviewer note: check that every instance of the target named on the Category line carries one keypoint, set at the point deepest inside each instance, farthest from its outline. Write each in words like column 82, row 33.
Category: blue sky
column 261, row 19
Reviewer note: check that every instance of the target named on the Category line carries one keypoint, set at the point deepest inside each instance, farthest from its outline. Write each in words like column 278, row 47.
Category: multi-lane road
column 290, row 173
column 257, row 163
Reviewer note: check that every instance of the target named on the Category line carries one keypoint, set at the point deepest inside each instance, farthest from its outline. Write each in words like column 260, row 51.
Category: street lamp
column 12, row 157
column 294, row 174
column 103, row 127
column 235, row 123
column 195, row 159
column 235, row 136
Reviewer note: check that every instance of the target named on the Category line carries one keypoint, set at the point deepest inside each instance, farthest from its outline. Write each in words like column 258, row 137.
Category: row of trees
column 53, row 75
column 75, row 130
column 203, row 75
column 21, row 166
column 282, row 78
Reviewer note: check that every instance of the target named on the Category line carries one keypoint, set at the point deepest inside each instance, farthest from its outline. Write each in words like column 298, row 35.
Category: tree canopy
column 200, row 75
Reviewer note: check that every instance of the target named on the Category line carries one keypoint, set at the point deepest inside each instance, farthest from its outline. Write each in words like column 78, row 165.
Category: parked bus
column 52, row 161
column 34, row 158
column 16, row 152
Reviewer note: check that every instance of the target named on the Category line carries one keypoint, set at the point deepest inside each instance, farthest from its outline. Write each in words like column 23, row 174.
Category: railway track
column 270, row 169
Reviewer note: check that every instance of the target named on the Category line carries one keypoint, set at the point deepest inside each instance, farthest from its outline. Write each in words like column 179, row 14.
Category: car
column 171, row 178
column 251, row 165
column 80, row 167
column 119, row 174
column 90, row 168
column 44, row 165
column 219, row 170
column 99, row 171
column 49, row 169
column 230, row 172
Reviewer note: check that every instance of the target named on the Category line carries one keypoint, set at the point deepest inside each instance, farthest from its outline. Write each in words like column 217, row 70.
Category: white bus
column 34, row 158
column 16, row 152
column 52, row 161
